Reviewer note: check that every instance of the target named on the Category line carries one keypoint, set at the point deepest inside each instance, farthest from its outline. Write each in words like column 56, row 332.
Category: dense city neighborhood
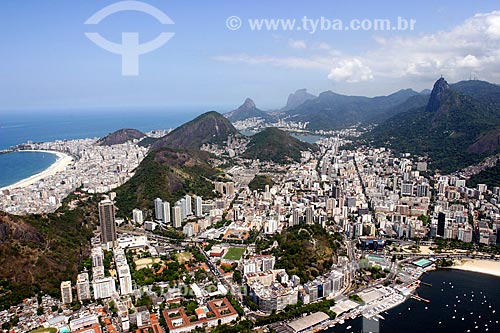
column 375, row 221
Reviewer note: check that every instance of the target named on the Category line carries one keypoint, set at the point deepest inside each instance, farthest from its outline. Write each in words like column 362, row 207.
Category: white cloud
column 324, row 46
column 297, row 44
column 472, row 46
column 468, row 61
column 350, row 70
column 290, row 62
column 327, row 48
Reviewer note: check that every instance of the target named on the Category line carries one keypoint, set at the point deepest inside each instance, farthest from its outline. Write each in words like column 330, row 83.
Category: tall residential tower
column 107, row 222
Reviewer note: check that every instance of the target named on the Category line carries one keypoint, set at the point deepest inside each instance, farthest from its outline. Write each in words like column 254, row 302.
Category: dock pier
column 418, row 298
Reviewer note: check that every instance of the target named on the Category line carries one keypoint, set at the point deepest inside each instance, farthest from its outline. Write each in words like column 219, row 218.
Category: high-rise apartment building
column 441, row 224
column 66, row 294
column 83, row 287
column 198, row 207
column 103, row 287
column 137, row 216
column 107, row 222
column 125, row 280
column 158, row 209
column 177, row 217
column 189, row 209
column 165, row 212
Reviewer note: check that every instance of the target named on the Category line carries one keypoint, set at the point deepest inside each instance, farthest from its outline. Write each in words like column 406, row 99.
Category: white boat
column 348, row 327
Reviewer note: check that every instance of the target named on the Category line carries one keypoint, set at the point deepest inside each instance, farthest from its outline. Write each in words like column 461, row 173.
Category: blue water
column 481, row 299
column 19, row 165
column 37, row 126
column 42, row 126
column 309, row 138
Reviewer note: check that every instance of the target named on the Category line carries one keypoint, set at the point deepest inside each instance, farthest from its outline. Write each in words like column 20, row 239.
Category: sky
column 47, row 61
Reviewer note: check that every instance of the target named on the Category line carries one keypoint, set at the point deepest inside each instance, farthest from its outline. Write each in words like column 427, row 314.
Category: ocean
column 19, row 127
column 37, row 126
column 309, row 138
column 460, row 301
column 16, row 166
column 454, row 293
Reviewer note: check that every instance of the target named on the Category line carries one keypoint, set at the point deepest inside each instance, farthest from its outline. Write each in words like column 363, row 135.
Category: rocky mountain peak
column 438, row 91
column 248, row 104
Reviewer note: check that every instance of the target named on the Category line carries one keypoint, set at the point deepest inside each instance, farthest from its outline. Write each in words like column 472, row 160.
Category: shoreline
column 63, row 160
column 489, row 267
column 471, row 265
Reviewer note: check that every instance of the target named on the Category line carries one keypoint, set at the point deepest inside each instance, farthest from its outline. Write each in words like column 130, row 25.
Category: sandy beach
column 479, row 266
column 63, row 160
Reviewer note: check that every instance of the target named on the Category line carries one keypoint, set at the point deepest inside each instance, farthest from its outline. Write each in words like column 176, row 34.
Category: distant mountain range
column 455, row 125
column 458, row 126
column 297, row 98
column 271, row 144
column 248, row 110
column 121, row 136
column 331, row 110
column 210, row 127
column 335, row 111
column 176, row 166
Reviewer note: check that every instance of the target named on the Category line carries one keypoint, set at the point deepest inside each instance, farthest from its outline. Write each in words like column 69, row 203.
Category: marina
column 382, row 302
column 477, row 307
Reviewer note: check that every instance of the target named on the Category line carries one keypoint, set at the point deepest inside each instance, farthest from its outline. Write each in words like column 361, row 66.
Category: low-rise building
column 217, row 312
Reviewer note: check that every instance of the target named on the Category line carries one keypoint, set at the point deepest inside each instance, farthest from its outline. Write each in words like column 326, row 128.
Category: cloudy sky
column 218, row 55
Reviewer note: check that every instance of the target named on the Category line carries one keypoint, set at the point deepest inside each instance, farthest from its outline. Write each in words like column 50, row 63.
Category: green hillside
column 335, row 111
column 120, row 136
column 259, row 182
column 454, row 129
column 303, row 250
column 37, row 252
column 275, row 145
column 168, row 174
column 210, row 127
column 489, row 176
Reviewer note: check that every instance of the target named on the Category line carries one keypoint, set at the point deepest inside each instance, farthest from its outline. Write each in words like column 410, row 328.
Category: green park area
column 44, row 330
column 234, row 253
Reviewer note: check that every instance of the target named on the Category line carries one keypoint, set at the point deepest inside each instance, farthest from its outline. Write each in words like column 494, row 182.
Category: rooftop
column 303, row 323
